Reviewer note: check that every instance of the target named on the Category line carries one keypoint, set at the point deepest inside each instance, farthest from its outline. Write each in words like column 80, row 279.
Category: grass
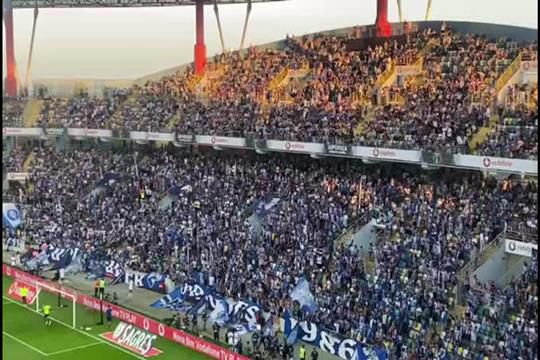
column 25, row 337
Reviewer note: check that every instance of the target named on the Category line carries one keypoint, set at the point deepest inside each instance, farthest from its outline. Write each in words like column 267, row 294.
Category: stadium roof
column 119, row 3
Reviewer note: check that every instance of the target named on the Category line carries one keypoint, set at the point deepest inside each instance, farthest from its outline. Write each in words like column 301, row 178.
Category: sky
column 131, row 43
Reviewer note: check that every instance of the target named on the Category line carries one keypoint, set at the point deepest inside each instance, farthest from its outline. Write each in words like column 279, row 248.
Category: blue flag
column 303, row 295
column 11, row 216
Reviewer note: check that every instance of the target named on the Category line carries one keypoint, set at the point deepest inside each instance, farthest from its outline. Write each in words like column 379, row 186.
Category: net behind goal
column 63, row 304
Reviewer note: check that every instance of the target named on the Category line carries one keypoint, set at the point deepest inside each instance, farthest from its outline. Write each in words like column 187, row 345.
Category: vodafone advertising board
column 140, row 321
column 220, row 140
column 93, row 133
column 11, row 131
column 496, row 163
column 290, row 146
column 14, row 292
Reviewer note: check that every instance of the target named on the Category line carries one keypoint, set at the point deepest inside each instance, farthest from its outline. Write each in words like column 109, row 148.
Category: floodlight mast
column 11, row 77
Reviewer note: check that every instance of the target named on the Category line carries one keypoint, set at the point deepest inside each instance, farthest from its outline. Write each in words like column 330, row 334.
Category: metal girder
column 119, row 3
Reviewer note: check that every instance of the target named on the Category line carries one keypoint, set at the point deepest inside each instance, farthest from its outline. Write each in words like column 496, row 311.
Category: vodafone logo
column 146, row 324
column 4, row 131
column 294, row 146
column 487, row 162
column 8, row 271
column 376, row 152
column 161, row 330
column 85, row 132
column 213, row 140
column 512, row 245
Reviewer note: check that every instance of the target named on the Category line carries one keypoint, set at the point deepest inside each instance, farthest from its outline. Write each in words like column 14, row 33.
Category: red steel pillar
column 200, row 47
column 384, row 29
column 11, row 78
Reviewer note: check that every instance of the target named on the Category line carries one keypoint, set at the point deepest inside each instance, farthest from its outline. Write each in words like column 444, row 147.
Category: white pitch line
column 24, row 343
column 82, row 332
column 74, row 348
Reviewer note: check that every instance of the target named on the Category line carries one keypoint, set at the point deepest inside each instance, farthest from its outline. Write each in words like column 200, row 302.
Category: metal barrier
column 346, row 236
column 274, row 84
column 465, row 274
column 507, row 74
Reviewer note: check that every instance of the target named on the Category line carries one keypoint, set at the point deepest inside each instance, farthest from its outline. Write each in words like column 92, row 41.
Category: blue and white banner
column 303, row 295
column 151, row 281
column 219, row 309
column 61, row 258
column 347, row 349
column 173, row 301
column 241, row 312
column 11, row 216
column 58, row 257
column 177, row 298
column 194, row 298
column 108, row 179
column 264, row 206
column 114, row 270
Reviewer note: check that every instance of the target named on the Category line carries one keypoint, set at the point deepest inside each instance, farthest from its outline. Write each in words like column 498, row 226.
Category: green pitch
column 25, row 336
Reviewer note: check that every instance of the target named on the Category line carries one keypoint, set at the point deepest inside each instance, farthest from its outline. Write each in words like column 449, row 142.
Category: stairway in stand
column 483, row 133
column 31, row 112
column 362, row 124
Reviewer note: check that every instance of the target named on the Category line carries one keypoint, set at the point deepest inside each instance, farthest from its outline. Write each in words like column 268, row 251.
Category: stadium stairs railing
column 507, row 74
column 511, row 233
column 278, row 80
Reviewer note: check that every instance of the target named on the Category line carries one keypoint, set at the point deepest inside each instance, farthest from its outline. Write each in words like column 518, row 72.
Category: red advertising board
column 14, row 291
column 193, row 342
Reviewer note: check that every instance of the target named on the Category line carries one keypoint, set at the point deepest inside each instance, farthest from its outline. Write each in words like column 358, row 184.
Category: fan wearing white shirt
column 130, row 287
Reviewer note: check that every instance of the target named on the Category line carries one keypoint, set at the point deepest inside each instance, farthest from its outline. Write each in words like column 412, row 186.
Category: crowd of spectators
column 437, row 222
column 516, row 134
column 81, row 111
column 337, row 94
column 12, row 111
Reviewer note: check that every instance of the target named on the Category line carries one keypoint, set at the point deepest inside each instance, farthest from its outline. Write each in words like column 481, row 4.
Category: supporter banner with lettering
column 114, row 270
column 187, row 139
column 191, row 293
column 151, row 281
column 54, row 132
column 518, row 166
column 142, row 322
column 345, row 150
column 224, row 311
column 519, row 248
column 312, row 334
column 61, row 258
